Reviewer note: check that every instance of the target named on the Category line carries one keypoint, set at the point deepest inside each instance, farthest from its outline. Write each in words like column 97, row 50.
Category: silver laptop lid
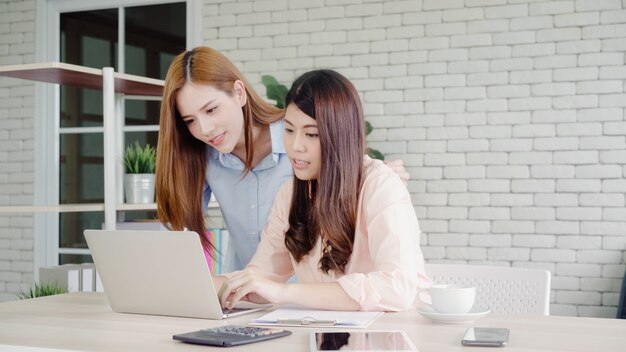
column 154, row 272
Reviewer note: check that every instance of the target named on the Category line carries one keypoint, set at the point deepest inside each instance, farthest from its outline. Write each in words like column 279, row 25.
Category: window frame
column 47, row 106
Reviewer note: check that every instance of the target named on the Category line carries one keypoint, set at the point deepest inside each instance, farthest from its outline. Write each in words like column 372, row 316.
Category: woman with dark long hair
column 345, row 226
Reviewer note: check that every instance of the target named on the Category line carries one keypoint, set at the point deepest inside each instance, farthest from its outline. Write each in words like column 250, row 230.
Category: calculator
column 231, row 335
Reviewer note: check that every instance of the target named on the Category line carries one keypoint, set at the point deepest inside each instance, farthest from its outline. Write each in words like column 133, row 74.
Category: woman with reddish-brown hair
column 218, row 136
column 345, row 225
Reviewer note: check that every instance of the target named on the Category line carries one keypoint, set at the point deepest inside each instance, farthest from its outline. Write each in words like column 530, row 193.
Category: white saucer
column 475, row 313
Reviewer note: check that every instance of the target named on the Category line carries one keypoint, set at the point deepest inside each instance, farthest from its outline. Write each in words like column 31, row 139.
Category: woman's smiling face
column 213, row 116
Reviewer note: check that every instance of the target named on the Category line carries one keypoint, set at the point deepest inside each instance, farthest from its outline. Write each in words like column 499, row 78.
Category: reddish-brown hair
column 327, row 207
column 181, row 158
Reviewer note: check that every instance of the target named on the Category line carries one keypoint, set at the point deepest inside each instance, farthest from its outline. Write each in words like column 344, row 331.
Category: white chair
column 501, row 289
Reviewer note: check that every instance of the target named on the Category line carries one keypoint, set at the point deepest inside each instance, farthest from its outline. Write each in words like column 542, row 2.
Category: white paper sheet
column 317, row 318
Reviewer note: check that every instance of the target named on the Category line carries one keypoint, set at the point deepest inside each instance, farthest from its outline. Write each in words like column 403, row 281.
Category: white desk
column 83, row 321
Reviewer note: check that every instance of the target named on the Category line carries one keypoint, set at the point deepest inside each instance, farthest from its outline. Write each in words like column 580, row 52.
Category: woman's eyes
column 308, row 134
column 207, row 111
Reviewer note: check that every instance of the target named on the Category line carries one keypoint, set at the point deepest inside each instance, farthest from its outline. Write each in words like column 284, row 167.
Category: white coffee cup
column 451, row 299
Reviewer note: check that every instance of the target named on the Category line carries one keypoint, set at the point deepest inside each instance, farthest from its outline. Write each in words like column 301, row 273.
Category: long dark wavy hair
column 327, row 207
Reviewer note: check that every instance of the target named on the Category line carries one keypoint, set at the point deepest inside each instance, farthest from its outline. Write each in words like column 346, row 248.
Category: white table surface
column 85, row 322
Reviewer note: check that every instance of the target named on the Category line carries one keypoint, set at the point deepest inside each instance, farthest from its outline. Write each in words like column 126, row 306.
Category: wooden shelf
column 109, row 82
column 75, row 208
column 72, row 208
column 83, row 77
column 63, row 208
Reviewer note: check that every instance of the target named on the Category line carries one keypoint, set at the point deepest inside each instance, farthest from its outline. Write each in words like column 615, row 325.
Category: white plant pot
column 139, row 188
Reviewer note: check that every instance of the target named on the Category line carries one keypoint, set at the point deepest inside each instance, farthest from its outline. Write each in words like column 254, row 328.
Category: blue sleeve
column 206, row 196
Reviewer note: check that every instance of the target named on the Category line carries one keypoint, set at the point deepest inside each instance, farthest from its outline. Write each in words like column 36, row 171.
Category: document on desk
column 317, row 318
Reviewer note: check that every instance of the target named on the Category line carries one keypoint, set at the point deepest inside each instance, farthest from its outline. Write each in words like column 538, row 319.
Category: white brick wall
column 17, row 33
column 508, row 114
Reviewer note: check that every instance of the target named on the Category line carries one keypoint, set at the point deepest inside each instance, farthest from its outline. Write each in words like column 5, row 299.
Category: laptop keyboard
column 233, row 310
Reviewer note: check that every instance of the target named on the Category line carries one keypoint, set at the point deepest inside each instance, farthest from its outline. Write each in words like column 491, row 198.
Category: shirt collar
column 278, row 148
column 276, row 134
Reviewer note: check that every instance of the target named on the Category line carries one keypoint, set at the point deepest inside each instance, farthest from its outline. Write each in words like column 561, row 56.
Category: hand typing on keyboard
column 231, row 335
column 232, row 310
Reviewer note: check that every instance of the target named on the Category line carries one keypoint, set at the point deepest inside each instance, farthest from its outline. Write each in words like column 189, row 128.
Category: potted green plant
column 139, row 173
column 45, row 289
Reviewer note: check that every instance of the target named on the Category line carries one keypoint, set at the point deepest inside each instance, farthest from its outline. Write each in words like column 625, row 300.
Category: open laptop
column 158, row 273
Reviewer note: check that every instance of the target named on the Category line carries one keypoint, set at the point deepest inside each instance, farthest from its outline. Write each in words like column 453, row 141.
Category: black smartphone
column 489, row 337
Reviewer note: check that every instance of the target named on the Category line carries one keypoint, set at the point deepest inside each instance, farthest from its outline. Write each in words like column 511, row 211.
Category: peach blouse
column 386, row 268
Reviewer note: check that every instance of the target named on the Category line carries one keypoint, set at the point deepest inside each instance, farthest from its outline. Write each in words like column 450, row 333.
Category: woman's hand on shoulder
column 249, row 286
column 397, row 166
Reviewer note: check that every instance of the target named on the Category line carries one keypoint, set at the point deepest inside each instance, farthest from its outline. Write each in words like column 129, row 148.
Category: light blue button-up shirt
column 246, row 201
